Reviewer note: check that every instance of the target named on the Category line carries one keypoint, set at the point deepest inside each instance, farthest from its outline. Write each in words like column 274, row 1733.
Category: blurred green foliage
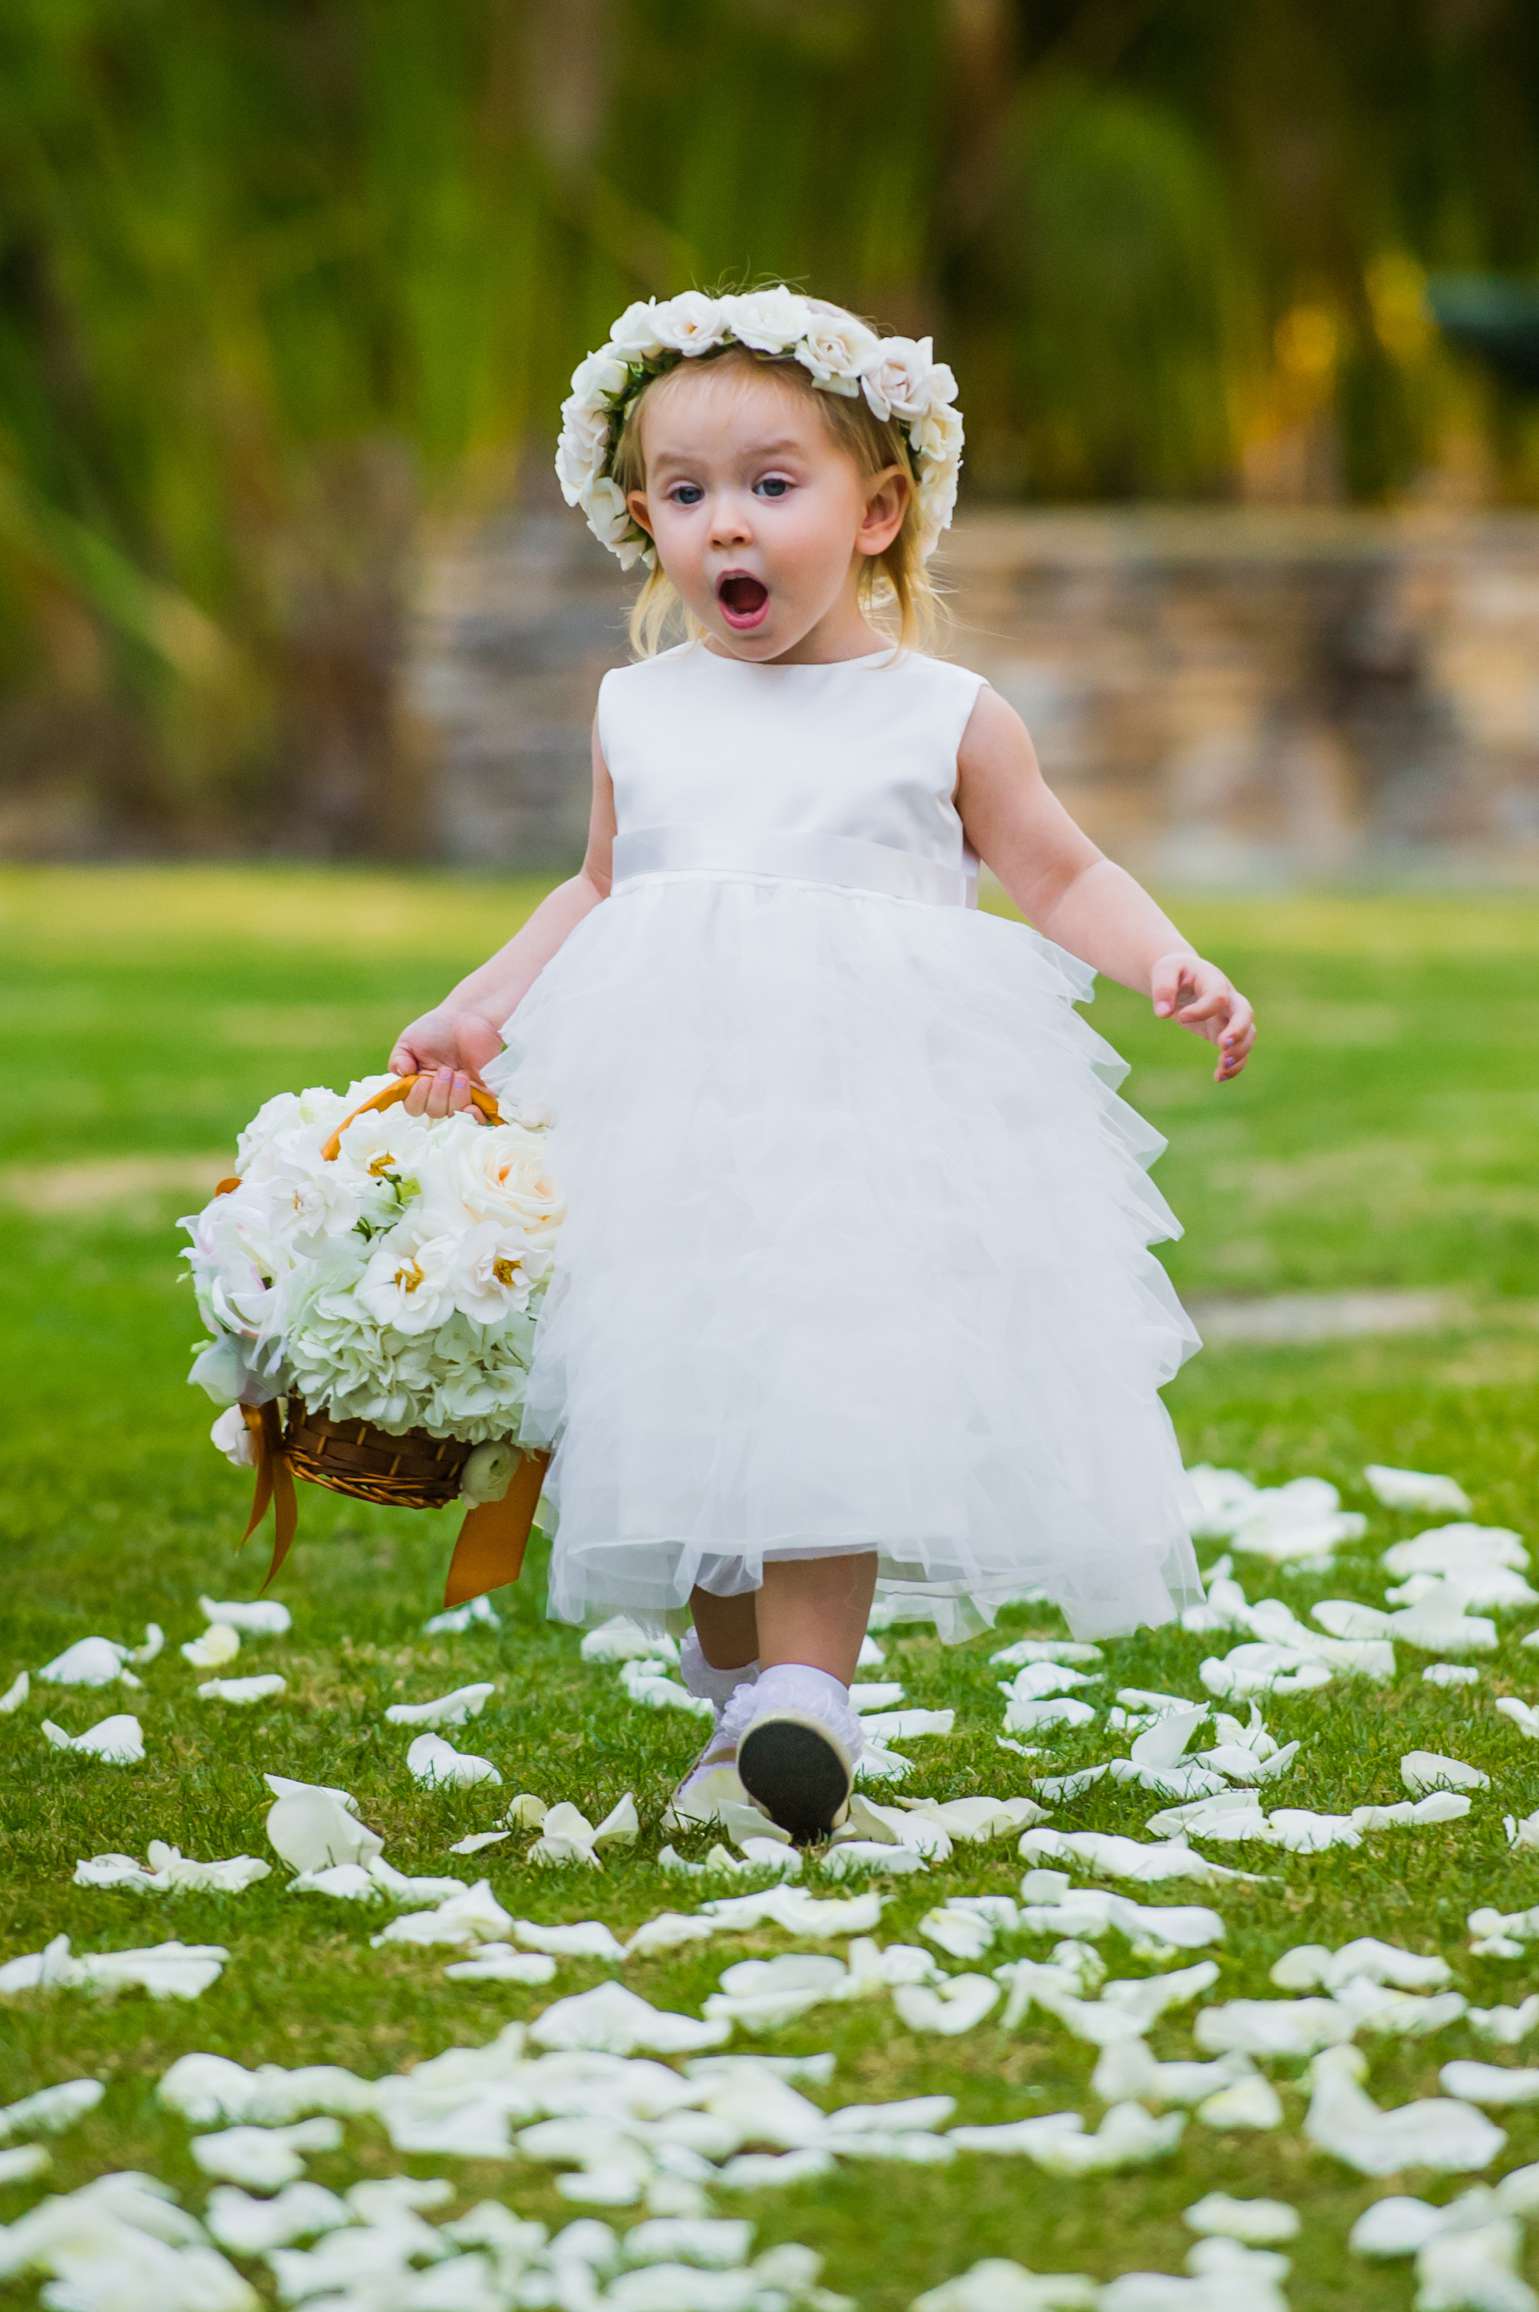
column 286, row 292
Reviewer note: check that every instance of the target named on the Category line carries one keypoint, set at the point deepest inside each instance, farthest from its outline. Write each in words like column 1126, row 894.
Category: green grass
column 1382, row 1136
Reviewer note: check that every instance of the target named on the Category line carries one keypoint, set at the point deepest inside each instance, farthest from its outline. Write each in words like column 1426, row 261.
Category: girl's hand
column 1198, row 995
column 446, row 1048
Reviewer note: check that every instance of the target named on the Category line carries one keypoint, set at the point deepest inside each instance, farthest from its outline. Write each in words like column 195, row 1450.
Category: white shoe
column 712, row 1779
column 710, row 1786
column 798, row 1739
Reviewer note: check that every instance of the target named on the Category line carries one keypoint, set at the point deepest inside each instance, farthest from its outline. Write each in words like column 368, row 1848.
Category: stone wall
column 1223, row 696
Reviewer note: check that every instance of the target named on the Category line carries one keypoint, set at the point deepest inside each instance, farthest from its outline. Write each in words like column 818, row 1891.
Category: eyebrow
column 754, row 450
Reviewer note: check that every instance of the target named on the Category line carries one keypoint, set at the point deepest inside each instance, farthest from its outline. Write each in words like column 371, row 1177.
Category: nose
column 728, row 520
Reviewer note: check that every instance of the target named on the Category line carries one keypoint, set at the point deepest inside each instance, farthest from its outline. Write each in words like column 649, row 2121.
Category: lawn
column 1382, row 1137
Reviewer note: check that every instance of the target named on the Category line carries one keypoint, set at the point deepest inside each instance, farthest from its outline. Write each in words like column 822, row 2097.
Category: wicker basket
column 409, row 1470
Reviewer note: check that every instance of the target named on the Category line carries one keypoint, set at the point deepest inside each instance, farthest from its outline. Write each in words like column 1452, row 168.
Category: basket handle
column 385, row 1097
column 389, row 1094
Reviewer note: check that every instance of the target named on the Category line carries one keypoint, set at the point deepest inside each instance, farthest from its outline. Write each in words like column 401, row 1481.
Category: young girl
column 854, row 1294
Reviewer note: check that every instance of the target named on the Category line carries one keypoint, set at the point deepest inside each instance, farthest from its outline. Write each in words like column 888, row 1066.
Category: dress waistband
column 802, row 855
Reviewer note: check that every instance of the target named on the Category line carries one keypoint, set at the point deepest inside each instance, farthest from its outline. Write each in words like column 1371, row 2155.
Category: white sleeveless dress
column 855, row 1254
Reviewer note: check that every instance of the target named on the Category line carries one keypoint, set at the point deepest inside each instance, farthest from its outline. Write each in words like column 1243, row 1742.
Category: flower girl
column 854, row 1297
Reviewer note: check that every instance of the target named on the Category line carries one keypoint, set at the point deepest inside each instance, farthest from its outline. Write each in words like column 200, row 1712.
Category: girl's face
column 743, row 478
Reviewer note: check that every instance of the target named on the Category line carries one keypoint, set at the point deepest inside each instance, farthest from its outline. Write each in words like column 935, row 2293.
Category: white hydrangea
column 398, row 1283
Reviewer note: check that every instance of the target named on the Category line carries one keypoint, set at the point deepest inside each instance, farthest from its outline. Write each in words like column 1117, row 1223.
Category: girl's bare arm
column 1066, row 886
column 450, row 1044
column 498, row 986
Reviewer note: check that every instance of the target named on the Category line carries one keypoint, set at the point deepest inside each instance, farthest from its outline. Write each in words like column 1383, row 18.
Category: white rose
column 895, row 379
column 502, row 1174
column 604, row 504
column 497, row 1271
column 772, row 320
column 382, row 1146
column 635, row 334
column 234, row 1439
column 938, row 434
column 692, row 322
column 582, row 449
column 835, row 349
column 317, row 1110
column 600, row 374
column 410, row 1279
column 489, row 1471
column 310, row 1201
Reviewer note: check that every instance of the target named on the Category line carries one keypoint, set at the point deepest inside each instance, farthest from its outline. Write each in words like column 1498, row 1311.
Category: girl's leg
column 716, row 1660
column 726, row 1627
column 814, row 1610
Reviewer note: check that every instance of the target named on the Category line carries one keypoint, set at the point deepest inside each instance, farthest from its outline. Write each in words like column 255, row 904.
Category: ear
column 887, row 496
column 636, row 501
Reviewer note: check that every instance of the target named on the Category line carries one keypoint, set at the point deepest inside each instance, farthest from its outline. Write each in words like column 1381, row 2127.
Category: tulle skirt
column 855, row 1258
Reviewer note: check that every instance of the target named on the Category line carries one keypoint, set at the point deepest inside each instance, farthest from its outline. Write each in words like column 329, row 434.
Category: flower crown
column 896, row 375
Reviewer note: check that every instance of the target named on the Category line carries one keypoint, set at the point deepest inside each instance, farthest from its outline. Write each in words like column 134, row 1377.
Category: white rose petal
column 220, row 1643
column 117, row 1741
column 1424, row 1770
column 252, row 1617
column 263, row 2157
column 437, row 1764
column 454, row 1709
column 1414, row 1488
column 89, row 1662
column 311, row 1826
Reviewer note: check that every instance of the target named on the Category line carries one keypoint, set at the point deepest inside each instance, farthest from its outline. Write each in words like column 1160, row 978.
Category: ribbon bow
column 274, row 1481
column 488, row 1552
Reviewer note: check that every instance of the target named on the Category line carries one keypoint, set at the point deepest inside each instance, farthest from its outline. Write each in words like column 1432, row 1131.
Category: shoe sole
column 796, row 1774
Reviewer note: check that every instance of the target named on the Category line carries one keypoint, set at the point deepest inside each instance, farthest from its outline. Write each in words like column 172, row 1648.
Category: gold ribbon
column 274, row 1481
column 495, row 1534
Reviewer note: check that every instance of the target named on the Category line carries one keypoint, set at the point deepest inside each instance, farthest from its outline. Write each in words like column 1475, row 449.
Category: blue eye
column 776, row 481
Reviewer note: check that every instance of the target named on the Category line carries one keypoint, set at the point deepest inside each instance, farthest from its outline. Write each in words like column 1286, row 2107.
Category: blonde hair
column 895, row 581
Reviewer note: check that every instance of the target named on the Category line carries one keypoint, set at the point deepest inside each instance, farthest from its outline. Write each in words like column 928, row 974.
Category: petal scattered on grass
column 263, row 2157
column 252, row 1617
column 1424, row 1770
column 473, row 1915
column 171, row 1970
column 116, row 1741
column 243, row 1691
column 250, row 2227
column 167, row 1870
column 220, row 1643
column 51, row 2109
column 436, row 1764
column 89, row 1662
column 476, row 1613
column 1436, row 2133
column 456, row 1709
column 313, row 1825
column 1257, row 2223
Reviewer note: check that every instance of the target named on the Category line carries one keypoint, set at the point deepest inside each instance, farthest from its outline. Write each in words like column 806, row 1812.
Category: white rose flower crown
column 897, row 376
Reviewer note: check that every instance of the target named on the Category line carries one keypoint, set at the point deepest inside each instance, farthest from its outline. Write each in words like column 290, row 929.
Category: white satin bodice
column 841, row 773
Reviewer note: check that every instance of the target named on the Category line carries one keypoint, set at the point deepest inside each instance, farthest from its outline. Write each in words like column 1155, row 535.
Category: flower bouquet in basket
column 371, row 1283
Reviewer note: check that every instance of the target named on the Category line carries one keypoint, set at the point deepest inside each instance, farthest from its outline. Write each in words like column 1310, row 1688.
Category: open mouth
column 744, row 601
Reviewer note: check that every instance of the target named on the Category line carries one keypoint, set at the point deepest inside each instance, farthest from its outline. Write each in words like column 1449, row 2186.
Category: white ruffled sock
column 698, row 1676
column 812, row 1692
